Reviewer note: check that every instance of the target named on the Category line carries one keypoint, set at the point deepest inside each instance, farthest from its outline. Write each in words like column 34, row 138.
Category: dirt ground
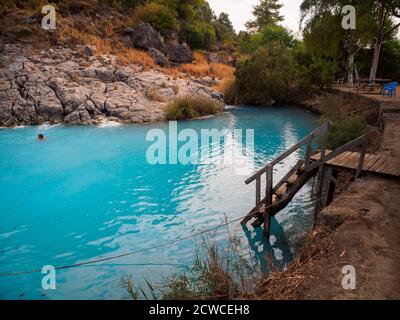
column 360, row 228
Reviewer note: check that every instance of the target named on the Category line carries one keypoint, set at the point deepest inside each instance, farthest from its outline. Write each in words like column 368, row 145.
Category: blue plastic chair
column 391, row 89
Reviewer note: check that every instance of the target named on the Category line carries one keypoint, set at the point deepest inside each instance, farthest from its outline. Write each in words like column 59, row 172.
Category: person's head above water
column 41, row 136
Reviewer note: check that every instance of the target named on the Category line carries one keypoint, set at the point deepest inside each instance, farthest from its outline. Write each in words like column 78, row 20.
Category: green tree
column 353, row 39
column 265, row 13
column 223, row 27
column 269, row 74
column 272, row 33
column 384, row 9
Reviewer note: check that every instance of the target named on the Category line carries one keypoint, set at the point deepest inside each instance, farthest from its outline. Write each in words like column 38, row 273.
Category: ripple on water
column 88, row 192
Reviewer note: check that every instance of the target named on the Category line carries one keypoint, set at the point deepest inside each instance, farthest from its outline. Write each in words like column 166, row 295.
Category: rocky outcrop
column 145, row 37
column 158, row 57
column 179, row 53
column 63, row 85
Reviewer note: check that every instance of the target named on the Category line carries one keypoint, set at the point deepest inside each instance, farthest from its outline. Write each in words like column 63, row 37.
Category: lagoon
column 89, row 192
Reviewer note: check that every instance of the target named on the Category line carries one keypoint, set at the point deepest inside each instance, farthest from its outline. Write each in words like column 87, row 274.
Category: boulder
column 2, row 45
column 170, row 36
column 105, row 74
column 212, row 57
column 88, row 50
column 158, row 57
column 144, row 36
column 179, row 53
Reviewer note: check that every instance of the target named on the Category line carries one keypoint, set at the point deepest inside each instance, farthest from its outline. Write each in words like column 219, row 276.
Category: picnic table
column 365, row 84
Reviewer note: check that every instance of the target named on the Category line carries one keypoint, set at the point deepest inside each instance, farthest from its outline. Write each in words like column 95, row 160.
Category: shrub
column 158, row 15
column 189, row 107
column 218, row 273
column 199, row 35
column 228, row 88
column 222, row 71
column 345, row 128
column 269, row 74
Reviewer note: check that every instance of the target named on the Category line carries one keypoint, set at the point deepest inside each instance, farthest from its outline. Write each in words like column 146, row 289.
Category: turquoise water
column 88, row 192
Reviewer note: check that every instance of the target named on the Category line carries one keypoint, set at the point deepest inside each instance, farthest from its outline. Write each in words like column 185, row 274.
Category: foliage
column 223, row 27
column 189, row 107
column 194, row 19
column 345, row 128
column 158, row 15
column 199, row 35
column 266, row 13
column 217, row 274
column 270, row 33
column 269, row 74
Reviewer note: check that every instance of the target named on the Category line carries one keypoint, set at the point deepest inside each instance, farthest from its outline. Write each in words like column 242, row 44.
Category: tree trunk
column 350, row 71
column 375, row 59
column 378, row 43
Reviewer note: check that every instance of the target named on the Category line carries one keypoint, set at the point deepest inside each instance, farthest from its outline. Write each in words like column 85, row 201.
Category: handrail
column 321, row 129
column 308, row 166
column 360, row 141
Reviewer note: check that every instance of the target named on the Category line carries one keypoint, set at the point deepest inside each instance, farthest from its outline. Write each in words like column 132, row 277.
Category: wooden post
column 362, row 154
column 268, row 201
column 321, row 173
column 332, row 185
column 258, row 190
column 308, row 154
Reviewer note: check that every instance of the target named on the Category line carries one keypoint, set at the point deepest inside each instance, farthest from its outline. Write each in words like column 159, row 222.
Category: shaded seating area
column 371, row 86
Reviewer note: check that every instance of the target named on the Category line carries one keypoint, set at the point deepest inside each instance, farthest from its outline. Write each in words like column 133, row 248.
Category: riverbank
column 360, row 228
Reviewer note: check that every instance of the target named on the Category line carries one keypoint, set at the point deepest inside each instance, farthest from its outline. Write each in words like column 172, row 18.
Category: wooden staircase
column 314, row 163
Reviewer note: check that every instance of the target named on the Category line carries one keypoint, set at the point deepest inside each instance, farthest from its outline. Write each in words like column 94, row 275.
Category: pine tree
column 266, row 13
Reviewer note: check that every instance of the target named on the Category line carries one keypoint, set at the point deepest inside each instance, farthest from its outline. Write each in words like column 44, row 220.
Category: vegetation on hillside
column 326, row 51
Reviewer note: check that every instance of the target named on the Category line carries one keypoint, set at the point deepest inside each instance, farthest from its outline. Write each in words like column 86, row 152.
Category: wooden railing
column 269, row 168
column 307, row 164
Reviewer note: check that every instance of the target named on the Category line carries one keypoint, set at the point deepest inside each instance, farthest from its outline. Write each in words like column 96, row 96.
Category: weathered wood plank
column 370, row 160
column 320, row 130
column 268, row 200
column 377, row 164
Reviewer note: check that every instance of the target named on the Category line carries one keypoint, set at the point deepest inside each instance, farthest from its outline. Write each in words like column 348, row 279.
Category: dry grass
column 176, row 88
column 218, row 273
column 286, row 285
column 174, row 72
column 128, row 56
column 222, row 71
column 155, row 96
column 201, row 68
column 125, row 56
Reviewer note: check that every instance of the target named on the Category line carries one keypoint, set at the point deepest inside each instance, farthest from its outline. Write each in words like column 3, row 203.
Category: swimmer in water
column 41, row 136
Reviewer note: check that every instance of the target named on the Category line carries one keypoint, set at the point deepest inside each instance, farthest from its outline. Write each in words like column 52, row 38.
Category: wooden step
column 292, row 179
column 281, row 190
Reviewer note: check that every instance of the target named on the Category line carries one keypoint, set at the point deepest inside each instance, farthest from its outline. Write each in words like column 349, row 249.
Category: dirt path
column 360, row 228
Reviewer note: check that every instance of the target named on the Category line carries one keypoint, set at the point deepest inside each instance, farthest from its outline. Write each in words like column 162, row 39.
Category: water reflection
column 268, row 254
